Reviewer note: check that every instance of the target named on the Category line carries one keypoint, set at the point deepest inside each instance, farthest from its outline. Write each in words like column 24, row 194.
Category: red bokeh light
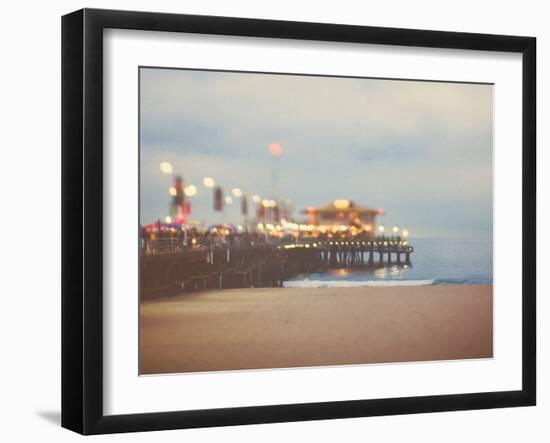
column 275, row 149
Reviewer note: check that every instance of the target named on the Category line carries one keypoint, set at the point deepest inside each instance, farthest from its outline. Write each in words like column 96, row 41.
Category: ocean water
column 433, row 262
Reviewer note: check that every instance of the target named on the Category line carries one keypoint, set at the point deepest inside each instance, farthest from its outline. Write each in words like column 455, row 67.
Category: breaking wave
column 315, row 283
column 353, row 283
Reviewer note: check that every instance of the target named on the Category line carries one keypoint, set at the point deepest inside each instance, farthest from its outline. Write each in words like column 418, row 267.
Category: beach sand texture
column 296, row 327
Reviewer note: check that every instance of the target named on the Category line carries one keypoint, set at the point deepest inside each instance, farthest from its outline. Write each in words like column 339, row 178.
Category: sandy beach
column 295, row 327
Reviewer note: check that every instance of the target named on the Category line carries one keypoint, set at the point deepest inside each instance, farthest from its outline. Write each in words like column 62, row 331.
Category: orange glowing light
column 341, row 204
column 275, row 149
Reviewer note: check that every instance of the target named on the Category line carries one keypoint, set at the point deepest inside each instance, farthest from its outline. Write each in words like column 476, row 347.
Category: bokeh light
column 166, row 168
column 190, row 190
column 341, row 204
column 275, row 149
column 208, row 182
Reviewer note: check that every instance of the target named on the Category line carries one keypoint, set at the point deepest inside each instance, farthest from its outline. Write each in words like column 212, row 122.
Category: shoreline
column 237, row 329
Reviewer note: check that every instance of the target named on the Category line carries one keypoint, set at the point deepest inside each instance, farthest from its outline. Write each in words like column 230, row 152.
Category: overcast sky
column 420, row 150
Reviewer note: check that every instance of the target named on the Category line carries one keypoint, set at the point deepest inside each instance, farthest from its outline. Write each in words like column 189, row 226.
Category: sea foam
column 353, row 283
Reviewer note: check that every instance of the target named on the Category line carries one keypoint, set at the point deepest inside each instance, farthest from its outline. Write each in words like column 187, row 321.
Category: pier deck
column 168, row 268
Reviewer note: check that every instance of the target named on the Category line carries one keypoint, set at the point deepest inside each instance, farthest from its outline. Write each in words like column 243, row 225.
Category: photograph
column 291, row 220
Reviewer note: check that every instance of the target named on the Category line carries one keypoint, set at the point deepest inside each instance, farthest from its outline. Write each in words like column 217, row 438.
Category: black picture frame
column 82, row 220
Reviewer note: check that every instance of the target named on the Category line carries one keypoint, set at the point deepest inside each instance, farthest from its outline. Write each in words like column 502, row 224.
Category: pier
column 168, row 267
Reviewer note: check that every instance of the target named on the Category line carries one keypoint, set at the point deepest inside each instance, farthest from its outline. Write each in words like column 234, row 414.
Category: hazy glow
column 236, row 192
column 256, row 198
column 168, row 219
column 228, row 200
column 405, row 233
column 166, row 168
column 381, row 228
column 395, row 229
column 172, row 191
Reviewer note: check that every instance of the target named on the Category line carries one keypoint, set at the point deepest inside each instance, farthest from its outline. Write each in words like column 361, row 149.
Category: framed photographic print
column 269, row 221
